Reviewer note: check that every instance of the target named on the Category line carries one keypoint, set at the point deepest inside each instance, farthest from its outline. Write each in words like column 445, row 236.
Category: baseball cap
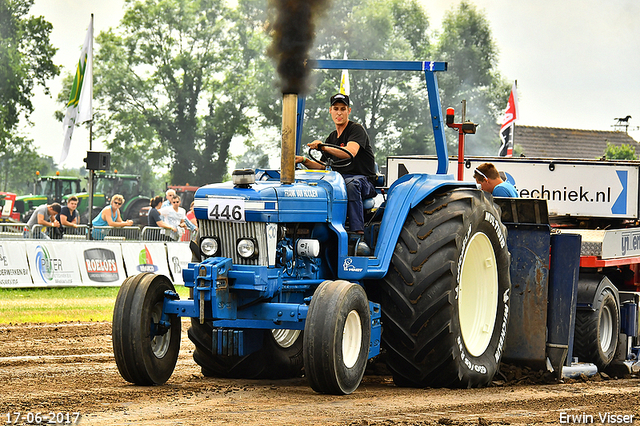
column 339, row 97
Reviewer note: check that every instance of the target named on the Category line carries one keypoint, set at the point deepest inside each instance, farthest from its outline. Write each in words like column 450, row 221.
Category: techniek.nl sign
column 576, row 188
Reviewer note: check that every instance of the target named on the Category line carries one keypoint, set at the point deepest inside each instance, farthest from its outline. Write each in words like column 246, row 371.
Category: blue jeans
column 358, row 188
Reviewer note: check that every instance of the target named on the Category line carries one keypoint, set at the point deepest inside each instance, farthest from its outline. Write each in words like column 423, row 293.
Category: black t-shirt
column 364, row 162
column 65, row 211
column 154, row 217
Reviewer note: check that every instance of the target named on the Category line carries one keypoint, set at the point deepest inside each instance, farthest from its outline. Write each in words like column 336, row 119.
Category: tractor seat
column 369, row 203
column 378, row 182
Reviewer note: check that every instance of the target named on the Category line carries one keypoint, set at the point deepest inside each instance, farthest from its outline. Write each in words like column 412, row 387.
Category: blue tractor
column 279, row 288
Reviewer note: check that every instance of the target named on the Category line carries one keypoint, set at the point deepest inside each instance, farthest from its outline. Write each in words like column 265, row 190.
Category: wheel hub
column 606, row 325
column 478, row 294
column 159, row 340
column 351, row 339
column 285, row 338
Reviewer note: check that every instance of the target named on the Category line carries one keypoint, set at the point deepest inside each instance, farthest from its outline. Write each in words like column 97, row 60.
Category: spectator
column 68, row 215
column 191, row 216
column 110, row 216
column 45, row 215
column 169, row 196
column 487, row 176
column 155, row 219
column 176, row 217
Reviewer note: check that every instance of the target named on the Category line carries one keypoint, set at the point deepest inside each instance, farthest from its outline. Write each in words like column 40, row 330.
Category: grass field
column 53, row 305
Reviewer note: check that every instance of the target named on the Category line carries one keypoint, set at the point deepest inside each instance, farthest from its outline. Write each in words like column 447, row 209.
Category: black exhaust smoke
column 293, row 30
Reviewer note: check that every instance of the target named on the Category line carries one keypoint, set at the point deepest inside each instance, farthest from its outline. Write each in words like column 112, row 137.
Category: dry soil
column 69, row 368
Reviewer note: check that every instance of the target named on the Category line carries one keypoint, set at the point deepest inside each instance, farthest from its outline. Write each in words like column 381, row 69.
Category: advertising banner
column 179, row 257
column 141, row 257
column 53, row 264
column 572, row 187
column 14, row 269
column 101, row 264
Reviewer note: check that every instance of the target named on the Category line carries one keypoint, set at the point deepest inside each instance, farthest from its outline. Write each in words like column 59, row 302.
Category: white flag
column 79, row 107
column 345, row 89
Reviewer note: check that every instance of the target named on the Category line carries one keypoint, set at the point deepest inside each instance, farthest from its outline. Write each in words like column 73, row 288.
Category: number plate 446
column 226, row 209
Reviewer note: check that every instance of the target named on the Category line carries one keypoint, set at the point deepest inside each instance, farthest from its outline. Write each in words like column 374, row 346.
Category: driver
column 352, row 137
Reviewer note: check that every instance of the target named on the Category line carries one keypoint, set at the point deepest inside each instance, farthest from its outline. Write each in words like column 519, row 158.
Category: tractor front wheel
column 336, row 337
column 145, row 348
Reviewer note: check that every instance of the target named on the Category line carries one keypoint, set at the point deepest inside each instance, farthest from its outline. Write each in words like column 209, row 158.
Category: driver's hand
column 299, row 159
column 314, row 144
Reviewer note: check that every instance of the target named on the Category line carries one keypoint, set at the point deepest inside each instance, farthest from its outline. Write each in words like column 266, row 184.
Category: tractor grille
column 230, row 232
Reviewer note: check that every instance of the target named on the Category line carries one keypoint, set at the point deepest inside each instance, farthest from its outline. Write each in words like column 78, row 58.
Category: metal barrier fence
column 21, row 231
column 14, row 231
column 152, row 233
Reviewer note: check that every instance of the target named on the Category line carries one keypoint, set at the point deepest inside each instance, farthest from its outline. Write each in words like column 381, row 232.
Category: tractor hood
column 267, row 200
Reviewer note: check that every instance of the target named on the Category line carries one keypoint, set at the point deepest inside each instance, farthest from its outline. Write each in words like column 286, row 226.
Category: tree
column 20, row 161
column 253, row 158
column 622, row 152
column 175, row 84
column 467, row 45
column 25, row 61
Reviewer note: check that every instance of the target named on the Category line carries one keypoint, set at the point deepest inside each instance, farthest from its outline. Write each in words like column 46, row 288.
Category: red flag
column 508, row 124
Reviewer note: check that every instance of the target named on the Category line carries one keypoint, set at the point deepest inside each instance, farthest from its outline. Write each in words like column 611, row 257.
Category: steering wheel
column 342, row 162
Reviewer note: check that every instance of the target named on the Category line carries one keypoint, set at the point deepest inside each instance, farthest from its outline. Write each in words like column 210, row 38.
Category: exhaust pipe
column 287, row 160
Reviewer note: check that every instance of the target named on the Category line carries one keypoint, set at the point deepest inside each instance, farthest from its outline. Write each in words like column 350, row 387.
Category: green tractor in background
column 57, row 189
column 47, row 190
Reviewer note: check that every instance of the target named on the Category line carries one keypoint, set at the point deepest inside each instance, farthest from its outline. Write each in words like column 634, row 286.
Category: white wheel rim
column 285, row 338
column 606, row 324
column 478, row 294
column 159, row 342
column 351, row 339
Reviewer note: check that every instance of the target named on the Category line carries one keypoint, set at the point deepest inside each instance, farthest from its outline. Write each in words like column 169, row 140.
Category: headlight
column 247, row 248
column 209, row 246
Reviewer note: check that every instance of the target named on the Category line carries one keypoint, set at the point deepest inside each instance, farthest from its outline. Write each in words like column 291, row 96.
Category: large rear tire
column 279, row 358
column 445, row 299
column 145, row 351
column 336, row 337
column 596, row 332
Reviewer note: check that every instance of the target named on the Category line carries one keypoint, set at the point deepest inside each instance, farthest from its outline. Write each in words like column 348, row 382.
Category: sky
column 576, row 62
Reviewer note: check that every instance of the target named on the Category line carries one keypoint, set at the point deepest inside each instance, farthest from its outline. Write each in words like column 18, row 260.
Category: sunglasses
column 118, row 203
column 175, row 202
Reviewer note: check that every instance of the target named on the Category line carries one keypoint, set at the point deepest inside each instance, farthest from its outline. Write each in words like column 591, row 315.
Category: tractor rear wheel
column 596, row 332
column 336, row 337
column 279, row 358
column 145, row 350
column 445, row 299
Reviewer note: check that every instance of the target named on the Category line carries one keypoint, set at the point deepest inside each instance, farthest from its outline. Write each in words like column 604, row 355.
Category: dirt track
column 70, row 368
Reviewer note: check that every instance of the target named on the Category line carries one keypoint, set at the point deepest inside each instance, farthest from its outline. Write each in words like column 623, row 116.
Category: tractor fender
column 404, row 194
column 590, row 285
